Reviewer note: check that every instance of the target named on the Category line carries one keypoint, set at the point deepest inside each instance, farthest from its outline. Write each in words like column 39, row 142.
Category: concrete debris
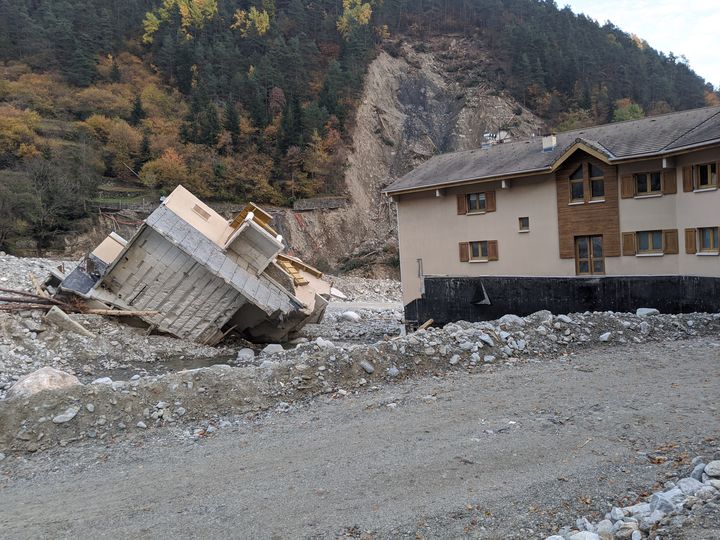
column 46, row 378
column 62, row 320
column 190, row 273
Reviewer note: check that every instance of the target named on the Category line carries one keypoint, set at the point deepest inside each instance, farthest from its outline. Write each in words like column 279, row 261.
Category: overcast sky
column 685, row 27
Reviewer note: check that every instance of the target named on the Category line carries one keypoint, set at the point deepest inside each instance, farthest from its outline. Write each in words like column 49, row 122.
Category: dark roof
column 656, row 135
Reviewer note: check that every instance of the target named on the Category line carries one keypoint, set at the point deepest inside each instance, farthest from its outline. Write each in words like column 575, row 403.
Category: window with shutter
column 628, row 243
column 464, row 252
column 649, row 242
column 670, row 242
column 687, row 179
column 708, row 239
column 690, row 241
column 669, row 182
column 627, row 186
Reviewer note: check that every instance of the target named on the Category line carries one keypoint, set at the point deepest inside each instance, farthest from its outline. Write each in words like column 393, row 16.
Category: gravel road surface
column 508, row 453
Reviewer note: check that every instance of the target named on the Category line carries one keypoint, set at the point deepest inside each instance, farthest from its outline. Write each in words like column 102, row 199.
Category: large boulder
column 46, row 378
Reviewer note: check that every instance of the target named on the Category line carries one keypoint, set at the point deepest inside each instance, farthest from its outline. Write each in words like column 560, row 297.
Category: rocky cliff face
column 418, row 100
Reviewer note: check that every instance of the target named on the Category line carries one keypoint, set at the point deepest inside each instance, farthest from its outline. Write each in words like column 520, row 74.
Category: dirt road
column 506, row 453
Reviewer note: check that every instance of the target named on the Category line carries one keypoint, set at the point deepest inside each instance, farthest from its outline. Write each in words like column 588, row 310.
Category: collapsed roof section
column 202, row 276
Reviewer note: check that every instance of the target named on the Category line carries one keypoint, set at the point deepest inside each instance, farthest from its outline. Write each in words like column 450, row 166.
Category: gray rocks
column 646, row 312
column 351, row 316
column 616, row 514
column 367, row 366
column 46, row 378
column 273, row 348
column 712, row 469
column 141, row 425
column 664, row 501
column 585, row 535
column 487, row 340
column 698, row 471
column 393, row 372
column 488, row 358
column 90, row 407
column 454, row 359
column 66, row 416
column 605, row 337
column 324, row 343
column 689, row 486
column 245, row 355
column 511, row 320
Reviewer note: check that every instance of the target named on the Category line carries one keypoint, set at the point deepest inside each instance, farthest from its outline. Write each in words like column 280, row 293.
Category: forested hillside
column 255, row 100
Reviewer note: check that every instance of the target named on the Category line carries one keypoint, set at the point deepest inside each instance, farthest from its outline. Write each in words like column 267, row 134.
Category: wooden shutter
column 670, row 242
column 669, row 182
column 627, row 190
column 628, row 241
column 492, row 250
column 462, row 204
column 490, row 205
column 687, row 179
column 464, row 252
column 690, row 241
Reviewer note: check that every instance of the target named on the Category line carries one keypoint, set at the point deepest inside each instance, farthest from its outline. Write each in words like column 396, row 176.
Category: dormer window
column 577, row 185
column 587, row 184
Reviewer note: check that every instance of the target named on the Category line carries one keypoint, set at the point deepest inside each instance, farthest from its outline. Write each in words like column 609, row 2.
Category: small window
column 708, row 239
column 476, row 202
column 577, row 185
column 705, row 175
column 648, row 183
column 650, row 242
column 201, row 212
column 596, row 172
column 523, row 224
column 479, row 251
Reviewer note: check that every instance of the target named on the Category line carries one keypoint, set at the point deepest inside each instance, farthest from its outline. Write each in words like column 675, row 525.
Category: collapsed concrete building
column 193, row 274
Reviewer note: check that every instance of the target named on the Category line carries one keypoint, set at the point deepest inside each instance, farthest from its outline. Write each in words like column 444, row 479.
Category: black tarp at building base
column 450, row 299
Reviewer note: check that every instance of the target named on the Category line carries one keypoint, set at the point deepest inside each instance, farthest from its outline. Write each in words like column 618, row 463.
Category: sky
column 684, row 27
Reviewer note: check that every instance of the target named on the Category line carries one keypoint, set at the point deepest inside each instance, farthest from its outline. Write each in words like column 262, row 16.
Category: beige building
column 636, row 198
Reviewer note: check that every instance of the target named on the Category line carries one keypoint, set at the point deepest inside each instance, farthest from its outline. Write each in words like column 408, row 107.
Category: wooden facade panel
column 588, row 218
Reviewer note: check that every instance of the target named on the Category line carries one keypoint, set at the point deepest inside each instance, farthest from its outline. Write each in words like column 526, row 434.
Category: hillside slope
column 414, row 104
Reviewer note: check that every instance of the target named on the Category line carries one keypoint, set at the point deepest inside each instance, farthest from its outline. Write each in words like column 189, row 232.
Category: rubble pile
column 14, row 271
column 356, row 289
column 356, row 326
column 277, row 377
column 29, row 341
column 657, row 516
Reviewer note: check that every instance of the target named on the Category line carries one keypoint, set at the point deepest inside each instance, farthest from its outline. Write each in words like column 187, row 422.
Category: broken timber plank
column 120, row 312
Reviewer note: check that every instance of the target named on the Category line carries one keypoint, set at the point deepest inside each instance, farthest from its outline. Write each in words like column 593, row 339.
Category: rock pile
column 367, row 290
column 311, row 368
column 659, row 513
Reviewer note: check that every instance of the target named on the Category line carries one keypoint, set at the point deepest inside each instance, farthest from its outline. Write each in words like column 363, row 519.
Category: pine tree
column 231, row 122
column 115, row 74
column 137, row 113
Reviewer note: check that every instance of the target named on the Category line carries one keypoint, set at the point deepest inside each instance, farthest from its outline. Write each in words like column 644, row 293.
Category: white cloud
column 690, row 29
